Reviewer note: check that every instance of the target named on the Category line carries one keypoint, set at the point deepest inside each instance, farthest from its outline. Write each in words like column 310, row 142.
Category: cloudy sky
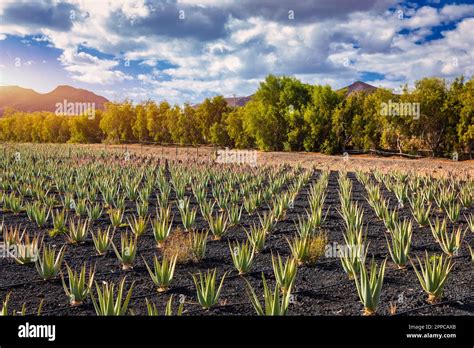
column 186, row 50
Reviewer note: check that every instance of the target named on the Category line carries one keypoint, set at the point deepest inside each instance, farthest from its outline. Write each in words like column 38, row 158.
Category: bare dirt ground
column 434, row 166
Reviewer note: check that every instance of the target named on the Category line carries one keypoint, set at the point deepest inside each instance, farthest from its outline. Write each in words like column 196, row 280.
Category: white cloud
column 90, row 69
column 332, row 49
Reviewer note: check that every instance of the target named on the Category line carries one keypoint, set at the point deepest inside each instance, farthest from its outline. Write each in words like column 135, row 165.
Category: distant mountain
column 357, row 86
column 238, row 101
column 28, row 100
column 232, row 101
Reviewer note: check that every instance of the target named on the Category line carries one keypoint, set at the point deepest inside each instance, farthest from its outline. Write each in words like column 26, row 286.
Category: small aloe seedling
column 163, row 272
column 94, row 212
column 352, row 257
column 257, row 238
column 401, row 242
column 48, row 263
column 453, row 211
column 207, row 293
column 138, row 226
column 26, row 250
column 274, row 303
column 198, row 243
column 106, row 304
column 188, row 215
column 161, row 230
column 116, row 217
column 78, row 288
column 450, row 243
column 59, row 223
column 433, row 275
column 471, row 252
column 77, row 231
column 234, row 214
column 218, row 226
column 300, row 249
column 153, row 311
column 102, row 241
column 128, row 250
column 5, row 304
column 438, row 229
column 470, row 222
column 285, row 273
column 369, row 286
column 242, row 256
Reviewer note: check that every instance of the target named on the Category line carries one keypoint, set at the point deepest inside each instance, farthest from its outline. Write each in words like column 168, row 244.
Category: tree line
column 283, row 115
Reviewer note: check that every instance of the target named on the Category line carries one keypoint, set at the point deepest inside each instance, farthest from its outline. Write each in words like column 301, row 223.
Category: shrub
column 180, row 245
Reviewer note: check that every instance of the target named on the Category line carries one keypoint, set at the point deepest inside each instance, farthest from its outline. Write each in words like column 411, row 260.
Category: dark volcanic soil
column 323, row 289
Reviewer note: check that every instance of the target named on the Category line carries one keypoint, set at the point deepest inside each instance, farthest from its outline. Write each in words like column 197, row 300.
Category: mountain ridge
column 28, row 100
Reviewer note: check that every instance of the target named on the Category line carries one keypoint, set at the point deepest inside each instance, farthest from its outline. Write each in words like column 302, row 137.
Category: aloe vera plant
column 218, row 226
column 59, row 223
column 128, row 250
column 78, row 289
column 106, row 303
column 352, row 256
column 369, row 286
column 138, row 226
column 48, row 264
column 94, row 212
column 234, row 214
column 470, row 222
column 207, row 293
column 5, row 308
column 471, row 251
column 242, row 256
column 161, row 230
column 77, row 231
column 26, row 250
column 153, row 311
column 453, row 211
column 450, row 243
column 163, row 272
column 116, row 217
column 438, row 228
column 188, row 215
column 198, row 243
column 300, row 249
column 102, row 241
column 421, row 214
column 401, row 243
column 257, row 237
column 433, row 274
column 285, row 273
column 274, row 303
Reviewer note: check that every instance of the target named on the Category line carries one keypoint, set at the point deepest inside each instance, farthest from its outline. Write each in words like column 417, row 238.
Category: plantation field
column 436, row 167
column 325, row 220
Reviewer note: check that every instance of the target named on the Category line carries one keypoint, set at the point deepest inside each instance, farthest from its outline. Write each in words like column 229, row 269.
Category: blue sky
column 186, row 50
